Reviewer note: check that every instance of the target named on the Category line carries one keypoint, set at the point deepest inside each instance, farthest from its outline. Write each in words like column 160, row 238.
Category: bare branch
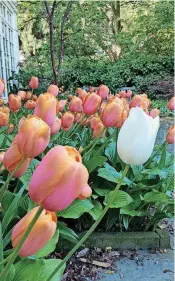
column 64, row 20
column 50, row 15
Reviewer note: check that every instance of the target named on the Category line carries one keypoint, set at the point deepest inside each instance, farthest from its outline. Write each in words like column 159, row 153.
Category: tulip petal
column 48, row 173
column 68, row 188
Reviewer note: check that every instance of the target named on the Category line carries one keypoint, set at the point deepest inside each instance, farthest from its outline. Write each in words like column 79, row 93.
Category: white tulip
column 137, row 137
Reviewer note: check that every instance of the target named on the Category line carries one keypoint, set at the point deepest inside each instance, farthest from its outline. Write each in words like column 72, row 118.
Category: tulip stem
column 5, row 185
column 93, row 143
column 13, row 256
column 104, row 144
column 164, row 144
column 88, row 233
column 77, row 128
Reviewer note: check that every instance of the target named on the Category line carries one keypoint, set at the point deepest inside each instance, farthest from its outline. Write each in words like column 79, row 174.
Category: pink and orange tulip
column 22, row 95
column 14, row 102
column 91, row 104
column 170, row 137
column 41, row 233
column 57, row 189
column 13, row 157
column 67, row 120
column 2, row 87
column 30, row 104
column 75, row 104
column 103, row 92
column 171, row 104
column 33, row 82
column 46, row 108
column 33, row 136
column 56, row 126
column 53, row 89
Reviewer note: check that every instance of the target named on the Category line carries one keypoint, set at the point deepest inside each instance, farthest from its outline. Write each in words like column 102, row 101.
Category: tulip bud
column 128, row 94
column 33, row 82
column 170, row 137
column 112, row 113
column 98, row 128
column 75, row 104
column 22, row 95
column 30, row 104
column 34, row 98
column 57, row 188
column 2, row 168
column 53, row 89
column 94, row 121
column 81, row 93
column 103, row 91
column 33, row 136
column 5, row 109
column 10, row 128
column 67, row 120
column 14, row 102
column 137, row 137
column 41, row 233
column 140, row 101
column 62, row 104
column 13, row 157
column 85, row 192
column 56, row 126
column 28, row 95
column 122, row 94
column 4, row 119
column 46, row 108
column 91, row 89
column 91, row 104
column 2, row 87
column 110, row 97
column 154, row 112
column 1, row 102
column 77, row 117
column 171, row 104
column 70, row 97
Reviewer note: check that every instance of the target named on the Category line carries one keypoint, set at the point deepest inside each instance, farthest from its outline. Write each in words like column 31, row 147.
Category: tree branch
column 64, row 20
column 50, row 16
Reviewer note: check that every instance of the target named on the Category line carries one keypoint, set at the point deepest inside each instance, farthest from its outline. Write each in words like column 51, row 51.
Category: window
column 8, row 41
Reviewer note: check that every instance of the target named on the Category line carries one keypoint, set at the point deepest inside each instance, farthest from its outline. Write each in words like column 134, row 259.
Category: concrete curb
column 125, row 240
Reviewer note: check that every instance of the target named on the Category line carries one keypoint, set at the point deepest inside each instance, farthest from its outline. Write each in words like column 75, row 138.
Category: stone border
column 123, row 240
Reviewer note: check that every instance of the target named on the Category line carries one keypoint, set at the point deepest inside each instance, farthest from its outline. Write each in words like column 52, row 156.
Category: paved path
column 148, row 267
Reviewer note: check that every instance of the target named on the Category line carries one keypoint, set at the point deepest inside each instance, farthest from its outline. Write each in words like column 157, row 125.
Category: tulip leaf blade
column 10, row 213
column 156, row 197
column 121, row 199
column 37, row 270
column 49, row 247
column 162, row 173
column 109, row 173
column 96, row 210
column 67, row 233
column 95, row 162
column 76, row 209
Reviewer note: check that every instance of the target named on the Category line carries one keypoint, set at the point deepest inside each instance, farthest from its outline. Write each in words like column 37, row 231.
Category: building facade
column 9, row 48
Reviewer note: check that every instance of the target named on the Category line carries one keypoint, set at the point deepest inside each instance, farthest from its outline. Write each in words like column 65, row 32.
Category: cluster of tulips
column 61, row 177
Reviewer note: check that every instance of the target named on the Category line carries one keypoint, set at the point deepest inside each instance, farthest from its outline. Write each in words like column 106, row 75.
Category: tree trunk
column 50, row 16
column 64, row 20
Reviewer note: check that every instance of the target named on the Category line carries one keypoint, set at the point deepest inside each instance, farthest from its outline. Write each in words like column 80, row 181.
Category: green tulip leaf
column 96, row 210
column 156, row 196
column 76, row 209
column 95, row 162
column 121, row 199
column 109, row 173
column 30, row 270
